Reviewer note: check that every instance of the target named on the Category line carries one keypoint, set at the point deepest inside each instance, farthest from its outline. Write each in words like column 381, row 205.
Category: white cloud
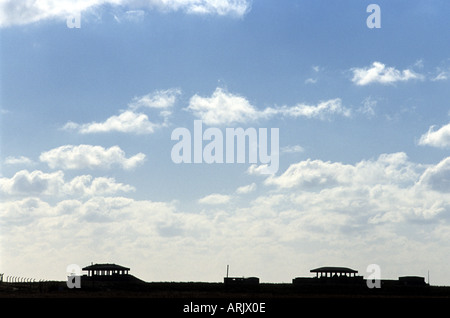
column 215, row 199
column 130, row 15
column 379, row 73
column 14, row 12
column 317, row 174
column 368, row 107
column 441, row 73
column 127, row 122
column 131, row 121
column 437, row 138
column 224, row 108
column 37, row 183
column 258, row 170
column 91, row 157
column 438, row 176
column 246, row 189
column 86, row 185
column 292, row 149
column 25, row 211
column 442, row 76
column 34, row 183
column 311, row 80
column 386, row 203
column 22, row 160
column 311, row 173
column 161, row 99
column 236, row 8
column 323, row 110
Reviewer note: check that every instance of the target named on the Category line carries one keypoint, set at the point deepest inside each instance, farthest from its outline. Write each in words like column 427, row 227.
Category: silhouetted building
column 412, row 281
column 334, row 272
column 247, row 281
column 344, row 276
column 106, row 270
column 330, row 275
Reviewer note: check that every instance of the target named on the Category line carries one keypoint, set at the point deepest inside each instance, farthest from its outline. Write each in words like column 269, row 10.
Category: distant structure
column 240, row 281
column 412, row 281
column 331, row 275
column 334, row 272
column 105, row 270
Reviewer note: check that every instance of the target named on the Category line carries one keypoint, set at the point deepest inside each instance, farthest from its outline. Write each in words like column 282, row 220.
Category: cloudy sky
column 91, row 91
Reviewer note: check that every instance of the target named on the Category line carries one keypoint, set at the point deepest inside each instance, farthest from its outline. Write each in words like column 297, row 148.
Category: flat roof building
column 106, row 270
column 329, row 271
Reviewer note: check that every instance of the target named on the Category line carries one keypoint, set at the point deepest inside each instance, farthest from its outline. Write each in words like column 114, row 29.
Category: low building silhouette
column 241, row 281
column 331, row 275
column 105, row 270
column 344, row 276
column 334, row 272
column 109, row 276
column 412, row 281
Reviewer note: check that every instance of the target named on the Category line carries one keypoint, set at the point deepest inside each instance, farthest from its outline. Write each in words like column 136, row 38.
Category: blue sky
column 87, row 115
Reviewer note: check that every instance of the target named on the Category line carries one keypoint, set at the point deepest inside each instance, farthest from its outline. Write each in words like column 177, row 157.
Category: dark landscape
column 107, row 294
column 131, row 287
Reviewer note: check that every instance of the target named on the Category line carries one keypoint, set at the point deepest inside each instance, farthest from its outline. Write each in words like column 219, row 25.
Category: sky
column 91, row 92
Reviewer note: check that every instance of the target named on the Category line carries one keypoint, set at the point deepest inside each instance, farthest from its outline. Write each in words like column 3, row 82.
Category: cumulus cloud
column 259, row 170
column 24, row 211
column 311, row 173
column 438, row 177
column 310, row 216
column 21, row 160
column 161, row 99
column 224, row 108
column 127, row 122
column 436, row 138
column 32, row 183
column 130, row 120
column 221, row 108
column 90, row 157
column 379, row 73
column 24, row 12
column 87, row 185
column 37, row 183
column 214, row 199
column 246, row 189
column 318, row 174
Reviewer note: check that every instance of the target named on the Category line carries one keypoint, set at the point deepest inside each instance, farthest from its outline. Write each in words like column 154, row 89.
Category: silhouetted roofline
column 105, row 267
column 330, row 269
